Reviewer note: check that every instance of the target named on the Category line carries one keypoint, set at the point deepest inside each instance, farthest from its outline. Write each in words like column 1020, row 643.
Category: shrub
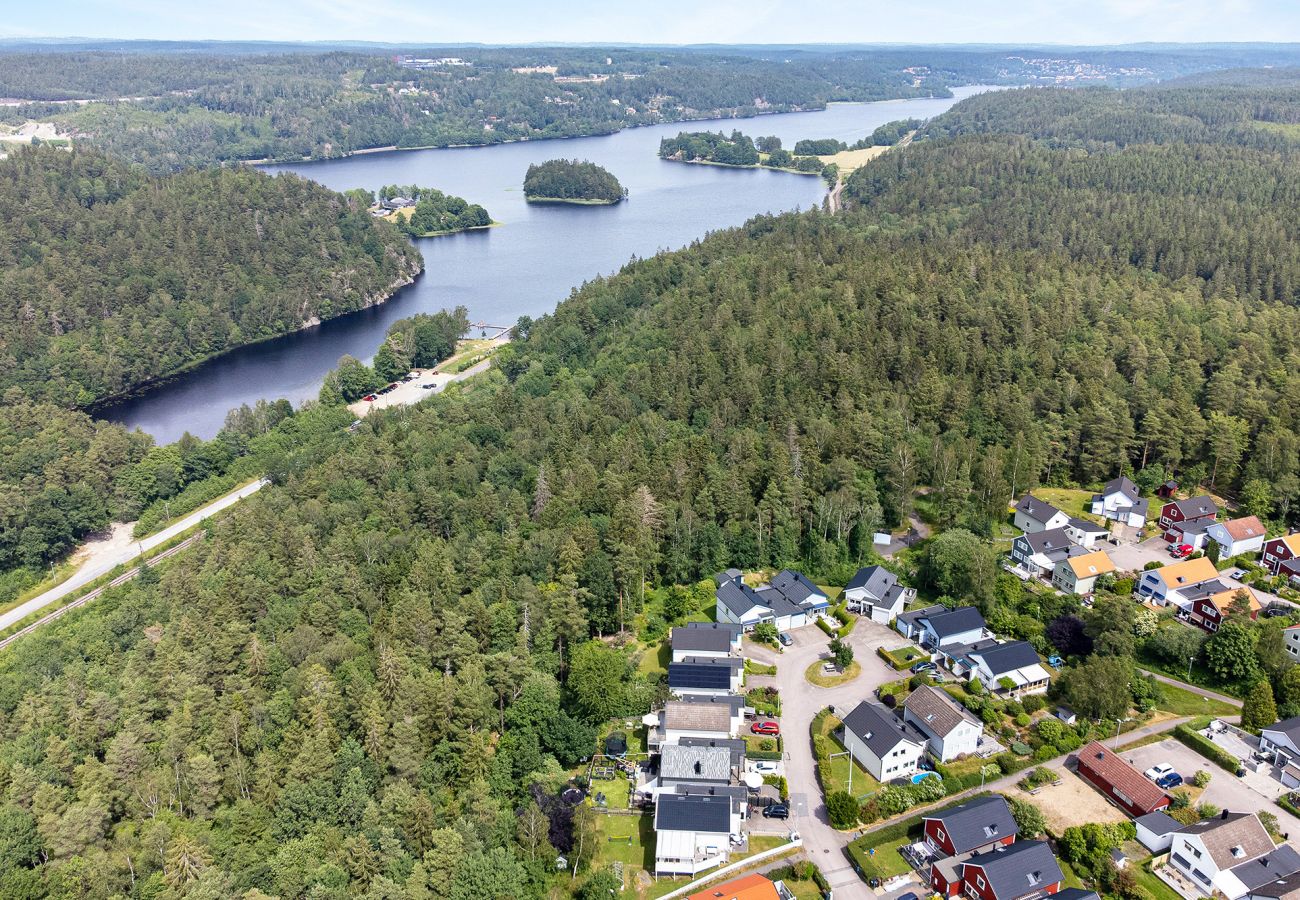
column 821, row 747
column 1014, row 708
column 1207, row 810
column 1208, row 749
column 975, row 686
column 1154, row 564
column 1033, row 703
column 1022, row 720
column 1201, row 778
column 779, row 782
column 1046, row 752
column 869, row 811
column 991, row 715
column 825, row 626
column 1179, row 799
column 842, row 809
column 1124, row 586
column 889, row 700
column 1020, row 749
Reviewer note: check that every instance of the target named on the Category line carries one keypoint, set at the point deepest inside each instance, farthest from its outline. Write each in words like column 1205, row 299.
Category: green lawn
column 820, row 678
column 1071, row 501
column 1182, row 702
column 903, row 657
column 655, row 659
column 884, row 862
column 1155, row 888
column 616, row 792
column 626, row 839
column 835, row 774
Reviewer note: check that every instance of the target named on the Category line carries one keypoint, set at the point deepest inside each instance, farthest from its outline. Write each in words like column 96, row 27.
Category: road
column 413, row 391
column 1200, row 692
column 801, row 701
column 110, row 557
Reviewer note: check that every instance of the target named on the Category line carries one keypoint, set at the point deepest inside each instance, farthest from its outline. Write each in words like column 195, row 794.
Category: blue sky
column 662, row 21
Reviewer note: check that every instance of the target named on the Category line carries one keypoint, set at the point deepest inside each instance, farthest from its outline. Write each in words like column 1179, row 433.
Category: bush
column 889, row 701
column 1124, row 586
column 991, row 715
column 1020, row 749
column 1201, row 778
column 1046, row 752
column 1033, row 703
column 779, row 782
column 1207, row 810
column 826, row 627
column 1023, row 720
column 1154, row 564
column 975, row 686
column 842, row 809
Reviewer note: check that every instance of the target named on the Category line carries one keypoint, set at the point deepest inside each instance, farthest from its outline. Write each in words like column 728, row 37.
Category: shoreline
column 709, row 162
column 95, row 409
column 573, row 201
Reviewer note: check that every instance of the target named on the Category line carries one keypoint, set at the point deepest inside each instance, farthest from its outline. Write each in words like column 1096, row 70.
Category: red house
column 1178, row 514
column 1280, row 551
column 1023, row 871
column 1124, row 785
column 955, row 833
column 1208, row 613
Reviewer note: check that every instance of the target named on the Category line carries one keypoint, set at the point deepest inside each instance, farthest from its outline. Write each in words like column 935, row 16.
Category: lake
column 526, row 266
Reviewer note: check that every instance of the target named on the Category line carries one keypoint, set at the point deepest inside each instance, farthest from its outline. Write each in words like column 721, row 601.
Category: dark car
column 923, row 667
column 1172, row 780
column 776, row 811
column 908, row 896
column 785, row 639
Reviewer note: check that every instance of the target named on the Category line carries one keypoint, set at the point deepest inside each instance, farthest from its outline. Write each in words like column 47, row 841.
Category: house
column 1084, row 533
column 699, row 717
column 1208, row 612
column 972, row 827
column 1024, row 870
column 1038, row 553
column 1167, row 490
column 1176, row 515
column 874, row 592
column 1287, row 888
column 884, row 746
column 751, row 887
column 706, row 675
column 790, row 601
column 1237, row 536
column 693, row 832
column 1076, row 894
column 949, row 728
column 1012, row 669
column 734, row 746
column 1033, row 515
column 1169, row 584
column 1291, row 641
column 937, row 626
column 1156, row 830
column 1206, row 852
column 1121, row 501
column 698, row 764
column 706, row 640
column 1079, row 574
column 1246, row 877
column 1122, row 784
column 1281, row 740
column 1279, row 551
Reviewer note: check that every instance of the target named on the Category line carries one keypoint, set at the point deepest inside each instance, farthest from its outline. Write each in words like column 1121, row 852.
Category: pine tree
column 1259, row 710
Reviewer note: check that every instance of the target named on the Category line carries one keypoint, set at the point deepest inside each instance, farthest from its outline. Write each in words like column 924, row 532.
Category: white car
column 1155, row 773
column 766, row 767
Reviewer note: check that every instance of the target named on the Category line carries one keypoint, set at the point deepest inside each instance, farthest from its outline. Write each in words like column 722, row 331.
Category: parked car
column 1155, row 773
column 1181, row 550
column 923, row 667
column 908, row 896
column 770, row 728
column 776, row 811
column 369, row 398
column 784, row 638
column 766, row 767
column 1170, row 781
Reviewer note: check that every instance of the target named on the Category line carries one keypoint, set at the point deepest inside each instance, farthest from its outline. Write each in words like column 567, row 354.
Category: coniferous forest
column 369, row 679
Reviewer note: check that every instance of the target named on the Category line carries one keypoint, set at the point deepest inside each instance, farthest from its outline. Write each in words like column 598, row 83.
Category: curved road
column 105, row 562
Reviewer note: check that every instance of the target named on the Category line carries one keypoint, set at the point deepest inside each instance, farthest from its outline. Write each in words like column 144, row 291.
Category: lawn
column 882, row 860
column 616, row 791
column 835, row 773
column 1182, row 702
column 1071, row 501
column 903, row 657
column 655, row 659
column 815, row 674
column 626, row 839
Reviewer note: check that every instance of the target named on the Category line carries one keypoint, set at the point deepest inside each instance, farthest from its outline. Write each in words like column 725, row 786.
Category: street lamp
column 1190, row 660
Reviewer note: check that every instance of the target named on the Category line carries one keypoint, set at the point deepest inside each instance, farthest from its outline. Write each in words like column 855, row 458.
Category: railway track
column 91, row 595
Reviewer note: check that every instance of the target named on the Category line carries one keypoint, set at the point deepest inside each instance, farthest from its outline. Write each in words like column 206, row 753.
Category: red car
column 1181, row 551
column 370, row 398
column 768, row 728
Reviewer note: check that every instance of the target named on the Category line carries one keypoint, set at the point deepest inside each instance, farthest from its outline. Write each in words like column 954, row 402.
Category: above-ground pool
column 921, row 776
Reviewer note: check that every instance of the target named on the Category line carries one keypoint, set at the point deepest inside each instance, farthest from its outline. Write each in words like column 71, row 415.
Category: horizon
column 1105, row 23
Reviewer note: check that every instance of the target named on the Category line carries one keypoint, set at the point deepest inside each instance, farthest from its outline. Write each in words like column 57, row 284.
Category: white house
column 937, row 626
column 883, row 745
column 693, row 832
column 1281, row 740
column 1015, row 661
column 1084, row 533
column 875, row 593
column 1034, row 515
column 706, row 639
column 710, row 676
column 1291, row 640
column 1155, row 830
column 1215, row 854
column 1037, row 553
column 1170, row 584
column 1237, row 536
column 1078, row 574
column 699, row 717
column 949, row 728
column 694, row 764
column 790, row 601
column 1120, row 501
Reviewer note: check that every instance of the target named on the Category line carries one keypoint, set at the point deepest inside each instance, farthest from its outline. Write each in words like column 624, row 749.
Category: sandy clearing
column 848, row 160
column 1073, row 802
column 23, row 134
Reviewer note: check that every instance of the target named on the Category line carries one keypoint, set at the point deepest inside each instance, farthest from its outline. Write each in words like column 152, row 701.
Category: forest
column 571, row 181
column 434, row 213
column 369, row 680
column 736, row 150
column 419, row 342
column 110, row 278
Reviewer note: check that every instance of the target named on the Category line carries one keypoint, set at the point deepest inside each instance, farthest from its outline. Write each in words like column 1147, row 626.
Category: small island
column 738, row 150
column 572, row 181
column 426, row 212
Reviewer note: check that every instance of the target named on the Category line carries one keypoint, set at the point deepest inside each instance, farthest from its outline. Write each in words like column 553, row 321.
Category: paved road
column 105, row 562
column 1200, row 692
column 801, row 701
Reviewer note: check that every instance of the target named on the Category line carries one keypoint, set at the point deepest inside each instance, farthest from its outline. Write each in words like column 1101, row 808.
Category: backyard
column 834, row 772
column 880, row 860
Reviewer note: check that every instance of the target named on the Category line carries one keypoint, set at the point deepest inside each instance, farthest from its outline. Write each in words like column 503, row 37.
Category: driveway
column 1133, row 557
column 1254, row 793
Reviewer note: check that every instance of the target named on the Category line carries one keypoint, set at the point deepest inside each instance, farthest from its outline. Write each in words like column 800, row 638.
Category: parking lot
column 1250, row 794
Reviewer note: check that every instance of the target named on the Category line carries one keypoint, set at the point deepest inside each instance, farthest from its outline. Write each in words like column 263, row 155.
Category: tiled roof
column 796, row 587
column 1047, row 541
column 751, row 887
column 1287, row 888
column 1290, row 727
column 1187, row 573
column 682, row 716
column 1090, row 564
column 1231, row 838
column 977, row 822
column 876, row 580
column 940, row 713
column 1245, row 528
column 699, row 763
column 1109, row 768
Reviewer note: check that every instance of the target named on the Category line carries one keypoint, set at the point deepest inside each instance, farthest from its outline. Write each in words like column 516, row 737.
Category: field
column 1181, row 702
column 1071, row 501
column 1073, row 802
column 848, row 160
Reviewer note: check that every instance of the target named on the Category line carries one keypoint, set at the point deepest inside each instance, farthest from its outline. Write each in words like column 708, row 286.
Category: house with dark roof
column 972, row 827
column 698, row 716
column 1237, row 536
column 1121, row 501
column 1122, row 784
column 799, row 590
column 694, row 764
column 874, row 592
column 1033, row 515
column 1076, row 894
column 1177, row 515
column 1281, row 741
column 789, row 601
column 936, row 627
column 1036, row 554
column 949, row 728
column 1155, row 830
column 881, row 742
column 1244, row 878
column 1287, row 888
column 705, row 639
column 1025, row 870
column 707, row 675
column 1086, row 533
column 1011, row 669
column 693, row 832
column 1213, row 854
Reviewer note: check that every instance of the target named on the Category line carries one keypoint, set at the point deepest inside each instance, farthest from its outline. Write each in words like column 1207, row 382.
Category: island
column 572, row 181
column 425, row 212
column 737, row 150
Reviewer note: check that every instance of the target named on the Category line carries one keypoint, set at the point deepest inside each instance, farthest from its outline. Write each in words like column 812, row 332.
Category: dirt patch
column 1072, row 802
column 848, row 160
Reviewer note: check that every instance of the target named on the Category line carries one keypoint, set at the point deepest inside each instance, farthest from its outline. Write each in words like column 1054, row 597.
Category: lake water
column 526, row 266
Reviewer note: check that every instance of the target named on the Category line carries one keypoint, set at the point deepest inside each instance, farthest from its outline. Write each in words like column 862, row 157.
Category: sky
column 661, row 21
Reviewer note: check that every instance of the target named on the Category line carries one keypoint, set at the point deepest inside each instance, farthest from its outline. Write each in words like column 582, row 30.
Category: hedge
column 1286, row 804
column 825, row 626
column 1211, row 751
